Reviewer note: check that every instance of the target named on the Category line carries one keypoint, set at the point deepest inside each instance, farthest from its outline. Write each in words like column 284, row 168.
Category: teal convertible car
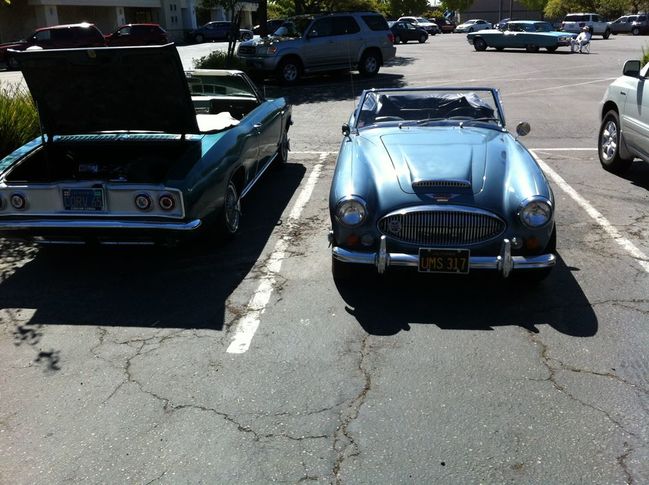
column 136, row 151
column 521, row 34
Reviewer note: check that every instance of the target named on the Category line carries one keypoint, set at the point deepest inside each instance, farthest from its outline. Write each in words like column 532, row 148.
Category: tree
column 230, row 6
column 398, row 8
column 456, row 5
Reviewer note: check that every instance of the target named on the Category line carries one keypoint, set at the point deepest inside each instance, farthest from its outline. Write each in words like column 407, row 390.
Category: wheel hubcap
column 290, row 72
column 609, row 141
column 371, row 64
column 232, row 210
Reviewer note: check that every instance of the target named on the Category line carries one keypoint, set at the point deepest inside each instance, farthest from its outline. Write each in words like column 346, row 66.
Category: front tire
column 422, row 39
column 607, row 34
column 289, row 71
column 551, row 49
column 199, row 38
column 609, row 145
column 12, row 63
column 479, row 44
column 635, row 31
column 370, row 64
column 532, row 48
column 282, row 150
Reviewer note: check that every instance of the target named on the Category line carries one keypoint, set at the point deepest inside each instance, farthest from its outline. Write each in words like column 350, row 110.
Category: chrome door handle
column 622, row 93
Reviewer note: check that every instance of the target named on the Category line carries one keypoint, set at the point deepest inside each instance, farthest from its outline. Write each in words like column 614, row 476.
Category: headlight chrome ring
column 351, row 211
column 535, row 212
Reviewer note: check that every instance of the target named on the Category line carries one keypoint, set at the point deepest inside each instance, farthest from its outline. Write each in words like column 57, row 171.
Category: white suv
column 574, row 22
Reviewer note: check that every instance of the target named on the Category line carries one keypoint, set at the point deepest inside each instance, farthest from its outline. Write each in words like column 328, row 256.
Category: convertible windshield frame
column 480, row 98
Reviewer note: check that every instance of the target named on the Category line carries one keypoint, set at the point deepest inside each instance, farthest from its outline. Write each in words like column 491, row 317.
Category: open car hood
column 109, row 89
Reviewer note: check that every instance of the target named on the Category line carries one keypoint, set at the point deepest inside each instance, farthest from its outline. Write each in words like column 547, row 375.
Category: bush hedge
column 219, row 60
column 18, row 118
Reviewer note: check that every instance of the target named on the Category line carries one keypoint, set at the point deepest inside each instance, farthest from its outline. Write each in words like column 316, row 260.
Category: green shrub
column 219, row 60
column 18, row 118
column 645, row 56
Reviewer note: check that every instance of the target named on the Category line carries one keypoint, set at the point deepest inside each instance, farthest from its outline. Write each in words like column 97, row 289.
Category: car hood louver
column 438, row 160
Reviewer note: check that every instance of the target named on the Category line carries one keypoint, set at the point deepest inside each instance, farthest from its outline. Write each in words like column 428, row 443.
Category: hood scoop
column 441, row 184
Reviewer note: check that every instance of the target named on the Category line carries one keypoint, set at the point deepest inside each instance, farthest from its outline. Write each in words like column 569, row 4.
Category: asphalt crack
column 344, row 444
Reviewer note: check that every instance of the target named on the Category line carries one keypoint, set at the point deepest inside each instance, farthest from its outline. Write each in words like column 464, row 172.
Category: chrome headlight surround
column 351, row 211
column 535, row 212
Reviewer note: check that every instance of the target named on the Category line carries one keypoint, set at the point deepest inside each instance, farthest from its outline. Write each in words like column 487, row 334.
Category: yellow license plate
column 444, row 260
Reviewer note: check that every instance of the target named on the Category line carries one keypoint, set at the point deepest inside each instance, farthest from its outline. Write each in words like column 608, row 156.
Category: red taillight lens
column 391, row 38
column 18, row 201
column 167, row 202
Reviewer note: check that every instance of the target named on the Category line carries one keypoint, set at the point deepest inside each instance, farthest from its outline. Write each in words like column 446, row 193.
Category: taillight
column 166, row 202
column 143, row 202
column 18, row 201
column 391, row 38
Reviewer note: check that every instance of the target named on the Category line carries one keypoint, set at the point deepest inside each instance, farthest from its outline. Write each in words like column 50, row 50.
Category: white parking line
column 248, row 325
column 533, row 91
column 627, row 245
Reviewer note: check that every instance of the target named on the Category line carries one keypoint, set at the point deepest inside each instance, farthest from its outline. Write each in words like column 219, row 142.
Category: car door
column 319, row 48
column 411, row 32
column 635, row 114
column 350, row 40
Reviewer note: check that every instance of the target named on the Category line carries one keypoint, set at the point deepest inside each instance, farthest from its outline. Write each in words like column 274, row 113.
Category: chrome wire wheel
column 231, row 210
column 608, row 140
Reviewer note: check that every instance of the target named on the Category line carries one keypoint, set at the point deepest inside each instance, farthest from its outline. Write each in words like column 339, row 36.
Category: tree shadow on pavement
column 386, row 305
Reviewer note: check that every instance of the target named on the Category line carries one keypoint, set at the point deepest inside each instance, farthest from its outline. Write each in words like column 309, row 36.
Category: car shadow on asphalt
column 183, row 287
column 386, row 305
column 638, row 174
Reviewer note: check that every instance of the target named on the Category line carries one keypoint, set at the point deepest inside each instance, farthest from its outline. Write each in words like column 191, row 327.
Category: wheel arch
column 376, row 50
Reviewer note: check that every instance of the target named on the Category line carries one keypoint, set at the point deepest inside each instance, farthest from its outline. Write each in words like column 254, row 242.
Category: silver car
column 624, row 132
column 473, row 25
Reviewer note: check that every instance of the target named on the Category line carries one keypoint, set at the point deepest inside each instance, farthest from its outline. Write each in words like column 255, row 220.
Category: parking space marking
column 628, row 246
column 247, row 327
column 532, row 91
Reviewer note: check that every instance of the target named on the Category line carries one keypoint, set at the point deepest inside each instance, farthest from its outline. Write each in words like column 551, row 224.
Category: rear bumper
column 504, row 263
column 103, row 231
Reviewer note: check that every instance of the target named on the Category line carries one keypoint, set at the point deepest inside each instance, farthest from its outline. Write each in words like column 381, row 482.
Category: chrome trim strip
column 475, row 262
column 21, row 225
column 257, row 177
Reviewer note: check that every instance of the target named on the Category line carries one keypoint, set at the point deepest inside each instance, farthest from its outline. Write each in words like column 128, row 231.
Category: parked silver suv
column 336, row 41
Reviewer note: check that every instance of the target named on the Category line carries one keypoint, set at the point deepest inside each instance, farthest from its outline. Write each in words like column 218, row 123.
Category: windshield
column 422, row 20
column 293, row 28
column 427, row 105
column 203, row 84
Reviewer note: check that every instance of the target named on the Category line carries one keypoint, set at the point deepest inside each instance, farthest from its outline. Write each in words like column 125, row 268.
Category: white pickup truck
column 574, row 22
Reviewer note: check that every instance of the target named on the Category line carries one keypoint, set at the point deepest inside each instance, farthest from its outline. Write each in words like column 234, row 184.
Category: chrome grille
column 247, row 50
column 441, row 183
column 442, row 227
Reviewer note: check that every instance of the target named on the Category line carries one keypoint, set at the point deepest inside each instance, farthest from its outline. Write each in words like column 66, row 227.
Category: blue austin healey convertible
column 134, row 150
column 431, row 179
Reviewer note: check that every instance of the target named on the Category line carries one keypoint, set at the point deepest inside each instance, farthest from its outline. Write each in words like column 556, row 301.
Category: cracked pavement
column 114, row 366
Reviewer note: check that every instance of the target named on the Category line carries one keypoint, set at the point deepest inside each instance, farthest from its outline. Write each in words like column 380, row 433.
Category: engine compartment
column 129, row 162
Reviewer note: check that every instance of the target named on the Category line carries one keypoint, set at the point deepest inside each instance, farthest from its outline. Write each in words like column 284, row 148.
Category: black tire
column 635, row 31
column 289, row 71
column 12, row 63
column 500, row 49
column 370, row 64
column 397, row 40
column 532, row 48
column 479, row 44
column 471, row 29
column 607, row 34
column 422, row 38
column 282, row 150
column 608, row 145
column 551, row 49
column 230, row 218
column 198, row 38
column 345, row 271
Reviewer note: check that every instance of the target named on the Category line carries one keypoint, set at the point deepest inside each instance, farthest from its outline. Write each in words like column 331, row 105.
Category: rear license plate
column 444, row 260
column 83, row 199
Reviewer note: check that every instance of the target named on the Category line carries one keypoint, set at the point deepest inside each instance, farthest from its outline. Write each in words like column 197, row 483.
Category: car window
column 575, row 18
column 543, row 27
column 43, row 35
column 124, row 31
column 642, row 18
column 421, row 19
column 345, row 25
column 65, row 35
column 595, row 18
column 322, row 28
column 219, row 85
column 375, row 22
column 293, row 28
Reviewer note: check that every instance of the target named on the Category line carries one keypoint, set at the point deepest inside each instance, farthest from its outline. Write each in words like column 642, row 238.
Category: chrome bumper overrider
column 503, row 263
column 37, row 224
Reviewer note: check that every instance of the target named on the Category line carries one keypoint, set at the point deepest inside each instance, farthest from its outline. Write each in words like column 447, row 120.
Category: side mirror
column 346, row 129
column 523, row 128
column 631, row 68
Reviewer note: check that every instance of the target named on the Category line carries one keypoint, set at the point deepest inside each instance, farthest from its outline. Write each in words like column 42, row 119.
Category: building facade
column 22, row 17
column 495, row 10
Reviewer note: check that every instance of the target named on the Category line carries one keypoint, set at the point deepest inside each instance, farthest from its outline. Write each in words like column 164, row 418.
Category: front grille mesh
column 247, row 50
column 442, row 228
column 460, row 184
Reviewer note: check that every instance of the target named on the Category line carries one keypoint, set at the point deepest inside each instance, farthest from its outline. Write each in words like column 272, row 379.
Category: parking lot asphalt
column 246, row 362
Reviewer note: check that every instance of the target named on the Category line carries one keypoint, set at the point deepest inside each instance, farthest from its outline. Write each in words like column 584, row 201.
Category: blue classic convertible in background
column 430, row 178
column 134, row 150
column 530, row 35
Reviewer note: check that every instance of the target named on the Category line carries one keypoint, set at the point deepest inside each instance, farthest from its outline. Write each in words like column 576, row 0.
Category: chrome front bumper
column 504, row 263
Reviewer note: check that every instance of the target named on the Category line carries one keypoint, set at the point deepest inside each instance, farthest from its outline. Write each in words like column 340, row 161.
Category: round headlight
column 143, row 202
column 535, row 212
column 351, row 211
